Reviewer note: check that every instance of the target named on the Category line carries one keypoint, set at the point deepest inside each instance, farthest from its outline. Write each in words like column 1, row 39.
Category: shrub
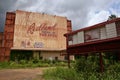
column 23, row 62
column 84, row 69
column 115, row 67
column 60, row 74
column 60, row 63
column 86, row 65
column 4, row 64
column 35, row 60
column 71, row 74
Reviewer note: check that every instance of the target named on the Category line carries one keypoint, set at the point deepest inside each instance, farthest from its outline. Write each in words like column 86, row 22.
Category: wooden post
column 101, row 62
column 68, row 56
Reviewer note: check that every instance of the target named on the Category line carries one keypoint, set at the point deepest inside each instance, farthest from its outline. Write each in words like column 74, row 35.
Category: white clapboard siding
column 80, row 37
column 111, row 30
column 70, row 42
column 103, row 34
column 75, row 39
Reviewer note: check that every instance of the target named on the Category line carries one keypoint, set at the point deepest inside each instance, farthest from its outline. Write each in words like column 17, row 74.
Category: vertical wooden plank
column 118, row 27
column 111, row 30
column 75, row 39
column 103, row 34
column 80, row 37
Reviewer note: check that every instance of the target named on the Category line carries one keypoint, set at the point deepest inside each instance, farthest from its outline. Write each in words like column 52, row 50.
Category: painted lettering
column 38, row 45
column 25, row 43
column 31, row 28
column 44, row 29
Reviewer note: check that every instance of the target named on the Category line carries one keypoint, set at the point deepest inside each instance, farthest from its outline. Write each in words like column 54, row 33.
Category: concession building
column 100, row 38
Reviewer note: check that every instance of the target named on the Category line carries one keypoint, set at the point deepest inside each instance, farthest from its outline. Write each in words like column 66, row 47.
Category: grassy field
column 72, row 74
column 85, row 69
column 31, row 64
column 81, row 69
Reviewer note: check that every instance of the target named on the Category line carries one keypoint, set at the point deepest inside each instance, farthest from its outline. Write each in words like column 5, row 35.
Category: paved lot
column 21, row 74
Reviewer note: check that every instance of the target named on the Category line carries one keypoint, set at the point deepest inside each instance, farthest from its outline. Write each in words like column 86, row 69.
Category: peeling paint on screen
column 92, row 34
column 36, row 30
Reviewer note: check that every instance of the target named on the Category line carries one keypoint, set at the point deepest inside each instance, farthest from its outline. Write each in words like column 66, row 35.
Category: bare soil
column 22, row 74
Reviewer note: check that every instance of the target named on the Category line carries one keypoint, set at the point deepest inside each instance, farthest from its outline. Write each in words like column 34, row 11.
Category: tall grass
column 31, row 64
column 84, row 69
column 60, row 73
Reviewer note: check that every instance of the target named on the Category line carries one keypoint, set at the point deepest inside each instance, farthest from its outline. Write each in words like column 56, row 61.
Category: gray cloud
column 5, row 5
column 81, row 12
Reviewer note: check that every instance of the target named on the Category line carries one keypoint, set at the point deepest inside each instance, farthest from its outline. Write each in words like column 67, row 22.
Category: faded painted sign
column 35, row 30
column 38, row 45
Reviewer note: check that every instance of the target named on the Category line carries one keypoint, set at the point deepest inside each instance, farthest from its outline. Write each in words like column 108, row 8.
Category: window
column 93, row 34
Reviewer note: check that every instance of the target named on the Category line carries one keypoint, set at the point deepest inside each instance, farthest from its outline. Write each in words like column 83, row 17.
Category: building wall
column 7, row 42
column 1, row 38
column 80, row 37
column 36, row 30
column 8, row 33
column 31, row 31
column 106, row 31
column 51, row 55
column 103, row 34
column 111, row 30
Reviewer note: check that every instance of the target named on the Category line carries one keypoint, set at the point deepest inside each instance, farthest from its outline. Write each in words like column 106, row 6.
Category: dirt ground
column 22, row 74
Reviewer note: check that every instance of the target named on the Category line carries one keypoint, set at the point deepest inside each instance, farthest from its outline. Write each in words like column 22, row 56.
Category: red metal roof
column 93, row 26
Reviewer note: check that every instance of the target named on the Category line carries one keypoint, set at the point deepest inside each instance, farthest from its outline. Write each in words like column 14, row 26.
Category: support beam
column 68, row 57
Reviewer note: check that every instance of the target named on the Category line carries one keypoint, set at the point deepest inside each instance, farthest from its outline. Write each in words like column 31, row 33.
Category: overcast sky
column 83, row 13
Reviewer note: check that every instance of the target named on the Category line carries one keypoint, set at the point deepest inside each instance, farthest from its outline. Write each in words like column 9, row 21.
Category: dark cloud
column 81, row 12
column 5, row 5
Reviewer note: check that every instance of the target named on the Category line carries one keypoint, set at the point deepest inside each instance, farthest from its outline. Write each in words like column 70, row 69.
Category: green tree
column 112, row 16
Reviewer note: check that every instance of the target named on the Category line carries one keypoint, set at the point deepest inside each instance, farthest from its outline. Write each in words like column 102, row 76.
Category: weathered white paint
column 92, row 35
column 70, row 42
column 111, row 30
column 80, row 37
column 103, row 34
column 75, row 39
